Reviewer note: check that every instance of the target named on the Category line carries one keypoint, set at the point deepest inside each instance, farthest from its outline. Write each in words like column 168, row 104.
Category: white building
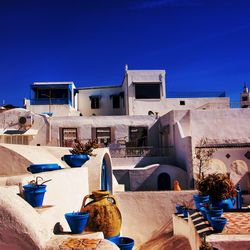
column 140, row 124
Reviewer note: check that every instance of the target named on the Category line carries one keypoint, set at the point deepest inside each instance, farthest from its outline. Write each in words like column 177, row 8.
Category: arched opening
column 164, row 182
column 106, row 174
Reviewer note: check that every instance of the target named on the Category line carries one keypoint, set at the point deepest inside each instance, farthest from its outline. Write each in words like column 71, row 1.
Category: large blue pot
column 75, row 161
column 218, row 223
column 37, row 168
column 224, row 204
column 34, row 194
column 125, row 243
column 203, row 211
column 113, row 238
column 213, row 212
column 77, row 221
column 179, row 209
column 198, row 199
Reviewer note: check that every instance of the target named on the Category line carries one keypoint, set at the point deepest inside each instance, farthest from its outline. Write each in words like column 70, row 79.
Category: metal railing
column 140, row 151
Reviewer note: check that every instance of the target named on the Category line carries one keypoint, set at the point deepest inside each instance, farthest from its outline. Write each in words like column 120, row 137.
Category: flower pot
column 103, row 212
column 34, row 194
column 179, row 209
column 37, row 168
column 213, row 212
column 218, row 223
column 75, row 161
column 225, row 204
column 203, row 211
column 77, row 221
column 125, row 243
column 114, row 238
column 185, row 212
column 198, row 199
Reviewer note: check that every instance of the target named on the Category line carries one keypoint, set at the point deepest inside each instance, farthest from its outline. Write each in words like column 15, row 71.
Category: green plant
column 84, row 148
column 217, row 185
column 36, row 182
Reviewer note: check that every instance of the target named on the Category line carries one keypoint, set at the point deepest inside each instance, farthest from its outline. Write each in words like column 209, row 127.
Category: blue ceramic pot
column 77, row 221
column 75, row 161
column 198, row 199
column 179, row 209
column 185, row 212
column 37, row 168
column 114, row 238
column 203, row 211
column 225, row 204
column 218, row 223
column 125, row 243
column 213, row 212
column 34, row 194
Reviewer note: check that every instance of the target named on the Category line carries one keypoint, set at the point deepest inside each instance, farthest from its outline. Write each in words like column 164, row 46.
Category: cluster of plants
column 84, row 148
column 217, row 185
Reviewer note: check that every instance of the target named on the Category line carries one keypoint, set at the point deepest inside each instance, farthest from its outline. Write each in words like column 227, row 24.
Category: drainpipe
column 49, row 129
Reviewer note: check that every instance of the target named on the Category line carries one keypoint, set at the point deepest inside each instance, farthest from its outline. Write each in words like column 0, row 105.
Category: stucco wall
column 221, row 126
column 120, row 125
column 106, row 102
column 57, row 110
column 146, row 179
column 134, row 162
column 145, row 213
column 21, row 226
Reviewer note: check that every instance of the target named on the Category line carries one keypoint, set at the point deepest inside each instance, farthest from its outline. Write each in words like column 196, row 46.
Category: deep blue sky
column 202, row 44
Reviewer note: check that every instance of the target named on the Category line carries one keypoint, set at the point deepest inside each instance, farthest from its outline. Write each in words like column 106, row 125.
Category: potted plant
column 183, row 207
column 220, row 188
column 209, row 211
column 80, row 153
column 218, row 223
column 77, row 221
column 34, row 192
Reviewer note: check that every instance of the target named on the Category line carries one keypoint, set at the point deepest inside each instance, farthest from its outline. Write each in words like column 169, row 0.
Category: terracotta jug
column 104, row 215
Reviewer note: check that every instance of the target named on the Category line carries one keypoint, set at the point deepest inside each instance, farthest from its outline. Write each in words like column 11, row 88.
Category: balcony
column 120, row 152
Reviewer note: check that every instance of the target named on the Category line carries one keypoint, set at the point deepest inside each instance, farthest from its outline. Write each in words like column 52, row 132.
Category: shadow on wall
column 151, row 178
column 164, row 239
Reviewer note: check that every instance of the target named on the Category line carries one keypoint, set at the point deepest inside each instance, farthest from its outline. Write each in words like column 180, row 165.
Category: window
column 95, row 102
column 182, row 103
column 103, row 135
column 244, row 98
column 69, row 135
column 147, row 91
column 116, row 101
column 138, row 136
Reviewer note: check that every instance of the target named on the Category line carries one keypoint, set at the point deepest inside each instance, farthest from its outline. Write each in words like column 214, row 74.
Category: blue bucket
column 198, row 199
column 125, row 243
column 34, row 194
column 113, row 238
column 77, row 221
column 75, row 161
column 218, row 223
column 214, row 212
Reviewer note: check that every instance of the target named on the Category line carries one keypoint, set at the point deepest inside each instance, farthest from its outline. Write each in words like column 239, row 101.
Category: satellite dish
column 22, row 120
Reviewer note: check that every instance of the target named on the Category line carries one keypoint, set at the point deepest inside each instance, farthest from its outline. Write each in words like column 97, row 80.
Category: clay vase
column 104, row 215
